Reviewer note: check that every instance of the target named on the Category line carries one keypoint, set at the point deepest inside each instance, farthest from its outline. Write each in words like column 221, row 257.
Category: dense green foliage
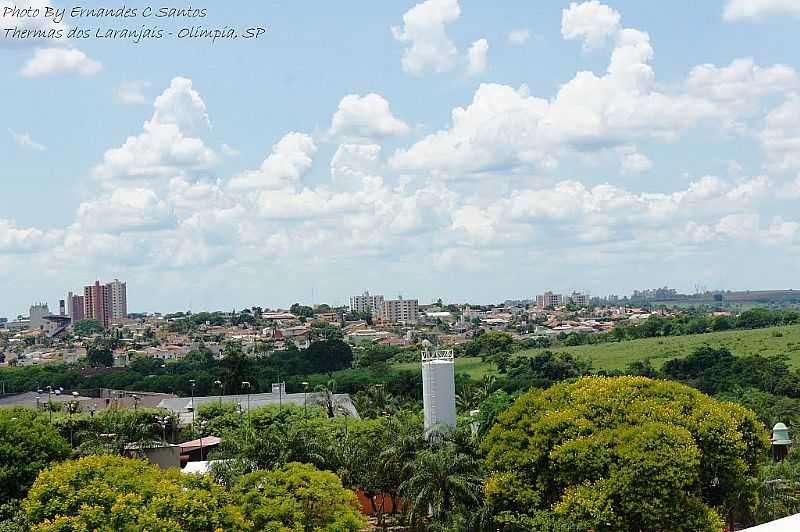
column 294, row 366
column 625, row 453
column 697, row 324
column 100, row 352
column 27, row 445
column 298, row 497
column 717, row 370
column 577, row 453
column 87, row 327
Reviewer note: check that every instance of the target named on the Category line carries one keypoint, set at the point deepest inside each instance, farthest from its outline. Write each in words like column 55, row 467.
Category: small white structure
column 438, row 390
column 787, row 524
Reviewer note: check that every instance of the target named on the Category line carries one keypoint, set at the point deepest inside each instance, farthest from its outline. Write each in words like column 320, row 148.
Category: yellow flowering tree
column 624, row 453
column 115, row 493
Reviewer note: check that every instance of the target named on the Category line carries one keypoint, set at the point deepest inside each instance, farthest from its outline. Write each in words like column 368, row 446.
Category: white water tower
column 438, row 390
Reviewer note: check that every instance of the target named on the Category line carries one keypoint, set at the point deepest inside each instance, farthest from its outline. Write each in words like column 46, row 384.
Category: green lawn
column 771, row 341
column 472, row 366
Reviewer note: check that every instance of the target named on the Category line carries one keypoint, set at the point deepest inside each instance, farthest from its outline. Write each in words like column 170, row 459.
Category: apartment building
column 97, row 303
column 366, row 303
column 119, row 300
column 549, row 299
column 579, row 299
column 402, row 311
column 75, row 307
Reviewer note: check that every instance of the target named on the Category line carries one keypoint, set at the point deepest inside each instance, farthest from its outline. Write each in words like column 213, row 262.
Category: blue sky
column 598, row 146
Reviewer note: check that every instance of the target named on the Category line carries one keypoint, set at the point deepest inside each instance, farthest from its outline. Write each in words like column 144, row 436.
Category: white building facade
column 366, row 303
column 438, row 391
column 118, row 294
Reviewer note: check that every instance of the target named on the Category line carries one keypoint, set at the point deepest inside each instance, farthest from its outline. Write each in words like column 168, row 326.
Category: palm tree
column 327, row 398
column 779, row 491
column 404, row 437
column 443, row 480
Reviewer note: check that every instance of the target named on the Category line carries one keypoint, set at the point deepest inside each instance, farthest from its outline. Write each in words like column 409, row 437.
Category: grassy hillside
column 766, row 342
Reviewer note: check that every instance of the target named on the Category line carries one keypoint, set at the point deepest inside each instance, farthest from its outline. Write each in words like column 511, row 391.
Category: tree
column 490, row 408
column 757, row 317
column 301, row 311
column 779, row 491
column 87, row 327
column 327, row 356
column 114, row 493
column 236, row 367
column 28, row 444
column 443, row 479
column 488, row 344
column 544, row 369
column 721, row 323
column 625, row 453
column 100, row 353
column 327, row 398
column 298, row 497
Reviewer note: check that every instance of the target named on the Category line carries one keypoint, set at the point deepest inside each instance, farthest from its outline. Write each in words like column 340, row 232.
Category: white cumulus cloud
column 60, row 61
column 125, row 209
column 591, row 21
column 290, row 159
column 363, row 118
column 425, row 30
column 758, row 9
column 476, row 57
column 169, row 143
column 780, row 136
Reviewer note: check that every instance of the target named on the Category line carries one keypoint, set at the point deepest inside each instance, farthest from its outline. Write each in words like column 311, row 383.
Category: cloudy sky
column 446, row 148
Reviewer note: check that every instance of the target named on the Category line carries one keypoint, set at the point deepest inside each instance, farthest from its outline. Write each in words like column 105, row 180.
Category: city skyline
column 433, row 149
column 373, row 302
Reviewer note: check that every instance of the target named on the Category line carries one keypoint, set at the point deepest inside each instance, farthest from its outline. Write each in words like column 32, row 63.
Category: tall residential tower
column 117, row 291
column 97, row 303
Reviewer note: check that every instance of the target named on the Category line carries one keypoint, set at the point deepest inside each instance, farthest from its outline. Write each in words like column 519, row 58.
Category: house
column 367, row 335
column 197, row 450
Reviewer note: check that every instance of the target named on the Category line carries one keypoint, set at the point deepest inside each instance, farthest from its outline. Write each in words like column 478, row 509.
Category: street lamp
column 379, row 387
column 305, row 398
column 163, row 421
column 221, row 390
column 193, row 384
column 50, row 402
column 72, row 407
column 246, row 384
column 203, row 425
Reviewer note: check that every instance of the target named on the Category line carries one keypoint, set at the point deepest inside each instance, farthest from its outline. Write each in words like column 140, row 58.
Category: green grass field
column 610, row 356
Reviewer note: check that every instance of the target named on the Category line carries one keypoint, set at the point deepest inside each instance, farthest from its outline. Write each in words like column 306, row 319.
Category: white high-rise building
column 366, row 303
column 438, row 390
column 117, row 292
column 403, row 311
